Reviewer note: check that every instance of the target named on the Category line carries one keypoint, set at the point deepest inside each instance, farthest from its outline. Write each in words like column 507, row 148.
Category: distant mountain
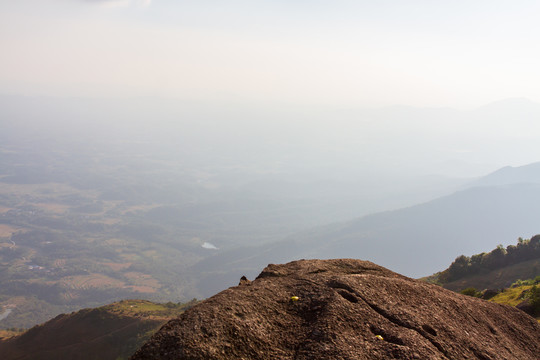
column 512, row 175
column 110, row 332
column 414, row 241
column 100, row 199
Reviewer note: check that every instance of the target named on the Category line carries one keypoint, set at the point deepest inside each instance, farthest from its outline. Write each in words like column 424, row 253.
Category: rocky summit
column 343, row 309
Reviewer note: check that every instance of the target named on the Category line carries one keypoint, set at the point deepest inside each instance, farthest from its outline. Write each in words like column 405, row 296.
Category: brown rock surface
column 346, row 309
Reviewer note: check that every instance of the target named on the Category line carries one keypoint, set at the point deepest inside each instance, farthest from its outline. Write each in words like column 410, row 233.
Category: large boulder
column 343, row 309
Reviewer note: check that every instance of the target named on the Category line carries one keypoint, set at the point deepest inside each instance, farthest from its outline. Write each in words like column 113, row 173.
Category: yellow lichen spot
column 295, row 298
column 379, row 337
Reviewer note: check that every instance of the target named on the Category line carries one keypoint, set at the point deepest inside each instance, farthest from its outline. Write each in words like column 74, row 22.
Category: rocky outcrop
column 343, row 309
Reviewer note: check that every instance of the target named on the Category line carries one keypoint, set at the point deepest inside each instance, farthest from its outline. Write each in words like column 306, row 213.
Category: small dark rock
column 526, row 307
column 488, row 294
column 244, row 281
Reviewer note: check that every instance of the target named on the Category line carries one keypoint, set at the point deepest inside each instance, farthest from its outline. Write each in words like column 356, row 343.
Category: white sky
column 331, row 52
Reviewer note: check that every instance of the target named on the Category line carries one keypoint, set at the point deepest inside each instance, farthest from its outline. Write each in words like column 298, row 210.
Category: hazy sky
column 330, row 52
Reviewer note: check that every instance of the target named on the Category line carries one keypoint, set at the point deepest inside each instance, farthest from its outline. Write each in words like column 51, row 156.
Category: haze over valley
column 118, row 199
column 160, row 150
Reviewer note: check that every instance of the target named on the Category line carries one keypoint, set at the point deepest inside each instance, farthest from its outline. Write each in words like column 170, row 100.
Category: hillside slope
column 343, row 309
column 110, row 332
column 498, row 278
column 498, row 268
column 413, row 241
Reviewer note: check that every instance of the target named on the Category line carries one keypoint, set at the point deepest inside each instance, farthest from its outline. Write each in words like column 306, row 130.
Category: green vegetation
column 144, row 308
column 534, row 298
column 512, row 296
column 499, row 273
column 520, row 282
column 498, row 258
column 521, row 291
column 470, row 291
column 494, row 279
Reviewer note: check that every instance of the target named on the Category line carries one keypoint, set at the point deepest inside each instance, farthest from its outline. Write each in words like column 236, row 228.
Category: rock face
column 346, row 309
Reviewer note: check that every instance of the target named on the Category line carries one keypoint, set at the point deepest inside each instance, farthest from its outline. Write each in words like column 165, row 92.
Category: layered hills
column 102, row 200
column 511, row 175
column 432, row 233
column 343, row 309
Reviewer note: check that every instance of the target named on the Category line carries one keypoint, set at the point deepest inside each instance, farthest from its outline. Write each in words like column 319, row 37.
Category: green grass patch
column 144, row 308
column 512, row 296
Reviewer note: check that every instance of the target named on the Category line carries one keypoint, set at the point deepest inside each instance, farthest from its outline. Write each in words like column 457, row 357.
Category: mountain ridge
column 529, row 173
column 467, row 221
